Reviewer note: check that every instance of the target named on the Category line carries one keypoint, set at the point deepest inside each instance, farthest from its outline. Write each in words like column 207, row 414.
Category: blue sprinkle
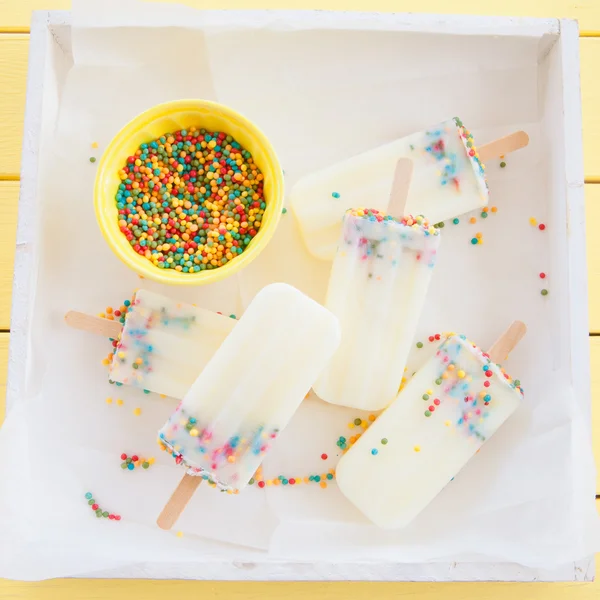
column 374, row 451
column 335, row 194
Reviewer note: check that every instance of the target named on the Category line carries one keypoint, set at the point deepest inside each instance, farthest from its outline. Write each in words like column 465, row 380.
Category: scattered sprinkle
column 384, row 441
column 456, row 220
column 502, row 165
column 179, row 534
column 472, row 220
column 120, row 402
column 532, row 221
column 324, row 456
column 109, row 400
column 542, row 275
column 417, row 448
column 474, row 241
column 541, row 227
column 544, row 292
column 94, row 144
column 335, row 194
column 283, row 211
column 494, row 209
column 374, row 452
column 99, row 512
column 92, row 159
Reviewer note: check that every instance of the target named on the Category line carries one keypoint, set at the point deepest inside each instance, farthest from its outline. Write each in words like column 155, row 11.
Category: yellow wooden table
column 14, row 41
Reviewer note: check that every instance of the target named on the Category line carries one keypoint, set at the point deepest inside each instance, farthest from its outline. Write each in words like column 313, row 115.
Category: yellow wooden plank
column 13, row 78
column 16, row 14
column 595, row 363
column 72, row 589
column 9, row 198
column 592, row 218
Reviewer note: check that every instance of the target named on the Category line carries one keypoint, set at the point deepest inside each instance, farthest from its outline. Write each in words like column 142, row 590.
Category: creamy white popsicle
column 251, row 387
column 377, row 289
column 448, row 180
column 446, row 412
column 165, row 344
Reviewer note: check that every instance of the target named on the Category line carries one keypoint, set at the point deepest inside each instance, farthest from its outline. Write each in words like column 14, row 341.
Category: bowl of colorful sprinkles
column 188, row 192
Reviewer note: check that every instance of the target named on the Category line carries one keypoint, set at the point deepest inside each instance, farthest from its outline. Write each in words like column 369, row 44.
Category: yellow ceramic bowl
column 170, row 117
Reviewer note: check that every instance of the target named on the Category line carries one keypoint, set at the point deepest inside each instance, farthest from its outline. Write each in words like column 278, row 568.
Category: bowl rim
column 111, row 232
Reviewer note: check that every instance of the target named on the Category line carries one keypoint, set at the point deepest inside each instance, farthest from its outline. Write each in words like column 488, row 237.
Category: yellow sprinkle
column 532, row 221
column 461, row 374
column 105, row 362
column 163, row 395
column 137, row 412
column 269, row 482
column 447, row 423
column 121, row 354
column 363, row 423
column 94, row 144
column 102, row 315
column 151, row 460
column 231, row 459
column 119, row 402
column 430, row 392
column 351, row 425
column 417, row 448
column 180, row 534
column 109, row 400
column 194, row 432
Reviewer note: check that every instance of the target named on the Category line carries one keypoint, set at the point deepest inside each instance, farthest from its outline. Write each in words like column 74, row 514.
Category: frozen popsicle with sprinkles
column 443, row 416
column 249, row 390
column 165, row 344
column 448, row 180
column 377, row 289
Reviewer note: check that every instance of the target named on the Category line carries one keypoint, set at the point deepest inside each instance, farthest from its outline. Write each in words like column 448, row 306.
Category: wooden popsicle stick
column 178, row 501
column 399, row 193
column 92, row 324
column 504, row 345
column 505, row 145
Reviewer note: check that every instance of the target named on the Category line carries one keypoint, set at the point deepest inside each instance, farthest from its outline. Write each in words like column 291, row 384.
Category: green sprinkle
column 283, row 211
column 484, row 215
column 329, row 476
column 544, row 292
column 145, row 465
column 317, row 478
column 357, row 421
column 384, row 441
column 439, row 381
column 425, row 396
column 90, row 502
column 123, row 465
column 440, row 225
column 474, row 241
column 335, row 194
column 456, row 221
column 105, row 514
column 232, row 317
column 251, row 482
column 517, row 382
column 92, row 159
column 427, row 413
column 419, row 344
column 502, row 165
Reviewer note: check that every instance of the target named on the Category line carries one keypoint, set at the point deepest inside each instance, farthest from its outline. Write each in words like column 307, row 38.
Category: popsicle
column 163, row 345
column 377, row 289
column 446, row 412
column 449, row 180
column 248, row 392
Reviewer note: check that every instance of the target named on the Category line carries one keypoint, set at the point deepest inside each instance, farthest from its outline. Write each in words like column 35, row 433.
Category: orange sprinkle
column 323, row 484
column 372, row 418
column 494, row 209
column 109, row 310
column 484, row 209
column 472, row 220
column 478, row 235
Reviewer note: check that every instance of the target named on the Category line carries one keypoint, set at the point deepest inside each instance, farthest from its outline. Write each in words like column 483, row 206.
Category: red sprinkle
column 261, row 484
column 542, row 275
column 324, row 456
column 135, row 458
column 291, row 481
column 486, row 383
column 541, row 227
column 123, row 456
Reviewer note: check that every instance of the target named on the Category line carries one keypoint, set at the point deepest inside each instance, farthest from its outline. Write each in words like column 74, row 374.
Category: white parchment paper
column 322, row 88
